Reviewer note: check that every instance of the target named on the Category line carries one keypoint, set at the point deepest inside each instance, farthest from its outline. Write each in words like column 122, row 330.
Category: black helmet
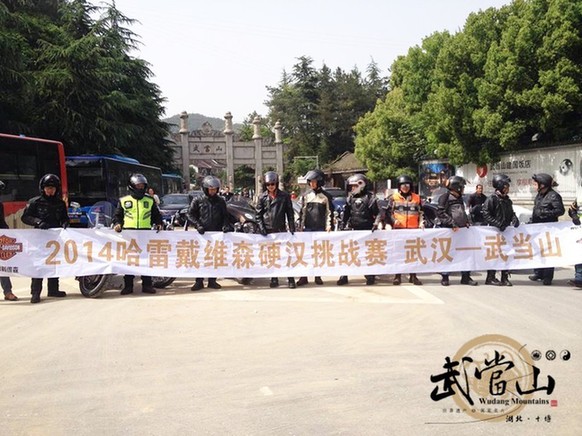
column 500, row 181
column 134, row 180
column 457, row 184
column 544, row 180
column 270, row 177
column 210, row 182
column 50, row 180
column 316, row 175
column 403, row 180
column 360, row 181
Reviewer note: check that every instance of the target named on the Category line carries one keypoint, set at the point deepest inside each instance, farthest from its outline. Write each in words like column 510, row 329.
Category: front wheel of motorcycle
column 250, row 227
column 93, row 286
column 162, row 282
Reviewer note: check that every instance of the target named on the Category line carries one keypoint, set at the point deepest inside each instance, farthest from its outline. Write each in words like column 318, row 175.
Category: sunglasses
column 271, row 184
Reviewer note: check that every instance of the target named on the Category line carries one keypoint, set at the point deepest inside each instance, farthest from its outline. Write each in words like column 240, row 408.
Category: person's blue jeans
column 7, row 285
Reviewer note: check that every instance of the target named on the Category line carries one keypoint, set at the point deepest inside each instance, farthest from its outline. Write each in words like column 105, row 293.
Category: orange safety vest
column 406, row 210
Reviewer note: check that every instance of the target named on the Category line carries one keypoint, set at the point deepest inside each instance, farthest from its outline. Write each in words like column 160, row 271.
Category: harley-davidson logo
column 9, row 247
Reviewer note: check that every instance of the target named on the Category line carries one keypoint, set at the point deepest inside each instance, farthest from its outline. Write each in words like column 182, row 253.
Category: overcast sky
column 215, row 56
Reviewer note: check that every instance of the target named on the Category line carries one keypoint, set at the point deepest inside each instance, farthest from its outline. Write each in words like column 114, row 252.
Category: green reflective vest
column 137, row 214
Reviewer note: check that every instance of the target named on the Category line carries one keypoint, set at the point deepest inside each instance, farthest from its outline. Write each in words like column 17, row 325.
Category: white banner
column 77, row 252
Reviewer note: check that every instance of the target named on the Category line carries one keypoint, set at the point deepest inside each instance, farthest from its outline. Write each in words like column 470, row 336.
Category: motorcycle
column 93, row 286
column 241, row 216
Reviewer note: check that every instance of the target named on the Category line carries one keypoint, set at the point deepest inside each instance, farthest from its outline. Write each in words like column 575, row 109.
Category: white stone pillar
column 185, row 147
column 258, row 140
column 279, row 152
column 228, row 136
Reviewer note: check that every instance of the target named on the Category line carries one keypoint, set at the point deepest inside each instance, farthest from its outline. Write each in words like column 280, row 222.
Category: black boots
column 198, row 284
column 505, row 279
column 59, row 294
column 467, row 280
column 274, row 283
column 212, row 284
column 35, row 297
column 414, row 280
column 397, row 279
column 291, row 284
column 491, row 280
column 343, row 280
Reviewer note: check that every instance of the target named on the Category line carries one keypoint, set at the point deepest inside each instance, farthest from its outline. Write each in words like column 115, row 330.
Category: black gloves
column 263, row 231
column 200, row 230
column 516, row 223
column 43, row 225
column 502, row 228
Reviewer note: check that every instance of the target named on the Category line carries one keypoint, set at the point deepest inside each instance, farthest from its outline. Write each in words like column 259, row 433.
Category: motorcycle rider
column 498, row 212
column 137, row 211
column 275, row 214
column 451, row 214
column 208, row 213
column 404, row 211
column 316, row 211
column 575, row 212
column 47, row 211
column 360, row 213
column 548, row 206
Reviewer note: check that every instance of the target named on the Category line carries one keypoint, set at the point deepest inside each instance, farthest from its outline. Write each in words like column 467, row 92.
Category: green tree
column 319, row 108
column 79, row 84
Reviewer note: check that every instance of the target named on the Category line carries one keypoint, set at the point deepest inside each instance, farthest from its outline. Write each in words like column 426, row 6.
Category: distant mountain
column 195, row 122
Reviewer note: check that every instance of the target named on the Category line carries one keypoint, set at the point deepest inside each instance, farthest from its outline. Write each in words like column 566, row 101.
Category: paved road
column 251, row 360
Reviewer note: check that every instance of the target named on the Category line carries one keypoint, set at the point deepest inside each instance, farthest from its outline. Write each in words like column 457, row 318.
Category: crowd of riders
column 275, row 214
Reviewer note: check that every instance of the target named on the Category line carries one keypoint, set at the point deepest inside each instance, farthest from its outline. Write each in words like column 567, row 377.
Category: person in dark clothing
column 316, row 211
column 208, row 213
column 47, row 211
column 5, row 281
column 475, row 204
column 360, row 213
column 275, row 214
column 451, row 214
column 548, row 206
column 498, row 212
column 137, row 211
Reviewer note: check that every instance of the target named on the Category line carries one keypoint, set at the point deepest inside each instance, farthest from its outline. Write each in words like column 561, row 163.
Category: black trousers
column 145, row 280
column 544, row 273
column 36, row 285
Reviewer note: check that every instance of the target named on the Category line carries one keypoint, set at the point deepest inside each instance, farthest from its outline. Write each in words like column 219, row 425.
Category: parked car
column 338, row 199
column 172, row 203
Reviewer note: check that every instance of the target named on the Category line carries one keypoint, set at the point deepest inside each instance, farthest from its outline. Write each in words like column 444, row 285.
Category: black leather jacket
column 46, row 212
column 274, row 214
column 451, row 211
column 209, row 213
column 547, row 207
column 498, row 211
column 360, row 212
